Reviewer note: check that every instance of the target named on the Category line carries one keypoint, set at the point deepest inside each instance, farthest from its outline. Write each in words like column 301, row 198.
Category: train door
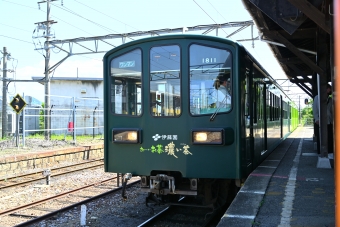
column 259, row 120
column 249, row 111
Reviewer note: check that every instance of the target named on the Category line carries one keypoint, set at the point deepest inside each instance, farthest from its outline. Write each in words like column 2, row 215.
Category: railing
column 67, row 116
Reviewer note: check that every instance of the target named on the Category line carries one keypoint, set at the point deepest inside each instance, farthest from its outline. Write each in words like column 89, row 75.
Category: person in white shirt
column 223, row 94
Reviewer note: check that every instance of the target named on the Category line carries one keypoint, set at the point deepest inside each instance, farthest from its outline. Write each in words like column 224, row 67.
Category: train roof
column 174, row 36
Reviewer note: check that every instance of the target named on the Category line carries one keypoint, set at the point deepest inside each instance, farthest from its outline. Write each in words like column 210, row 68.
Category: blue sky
column 88, row 18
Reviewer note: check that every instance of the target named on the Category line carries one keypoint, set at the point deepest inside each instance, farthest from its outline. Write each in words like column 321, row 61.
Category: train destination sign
column 126, row 64
column 18, row 103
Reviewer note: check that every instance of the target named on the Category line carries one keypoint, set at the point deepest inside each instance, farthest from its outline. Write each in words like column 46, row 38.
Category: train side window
column 126, row 74
column 165, row 81
column 268, row 109
column 210, row 80
column 256, row 102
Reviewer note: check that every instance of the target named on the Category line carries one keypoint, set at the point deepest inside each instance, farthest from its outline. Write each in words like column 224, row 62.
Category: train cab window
column 210, row 80
column 126, row 74
column 165, row 82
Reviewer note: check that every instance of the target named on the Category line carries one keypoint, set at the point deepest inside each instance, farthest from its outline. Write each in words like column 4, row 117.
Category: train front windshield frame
column 126, row 83
column 209, row 68
column 165, row 81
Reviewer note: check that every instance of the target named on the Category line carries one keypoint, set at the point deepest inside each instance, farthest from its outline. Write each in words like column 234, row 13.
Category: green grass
column 11, row 149
column 79, row 138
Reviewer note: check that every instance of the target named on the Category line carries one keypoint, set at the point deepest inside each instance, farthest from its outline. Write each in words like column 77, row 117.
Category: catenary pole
column 47, row 75
column 46, row 26
column 4, row 94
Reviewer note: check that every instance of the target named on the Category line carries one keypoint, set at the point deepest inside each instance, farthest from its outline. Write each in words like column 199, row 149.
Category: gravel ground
column 109, row 211
column 9, row 148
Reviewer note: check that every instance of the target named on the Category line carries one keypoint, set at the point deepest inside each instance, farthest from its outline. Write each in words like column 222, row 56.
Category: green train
column 192, row 115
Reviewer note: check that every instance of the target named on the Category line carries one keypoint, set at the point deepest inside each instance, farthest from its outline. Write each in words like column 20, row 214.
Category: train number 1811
column 208, row 60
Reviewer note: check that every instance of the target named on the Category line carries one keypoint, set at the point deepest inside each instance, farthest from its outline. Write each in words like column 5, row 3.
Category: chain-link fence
column 67, row 116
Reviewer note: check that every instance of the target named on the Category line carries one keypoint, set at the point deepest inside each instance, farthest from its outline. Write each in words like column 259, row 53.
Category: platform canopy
column 299, row 32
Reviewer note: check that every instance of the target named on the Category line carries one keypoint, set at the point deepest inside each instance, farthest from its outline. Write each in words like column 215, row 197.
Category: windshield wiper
column 218, row 108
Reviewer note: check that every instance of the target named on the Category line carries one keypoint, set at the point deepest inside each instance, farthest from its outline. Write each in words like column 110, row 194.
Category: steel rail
column 155, row 217
column 58, row 168
column 44, row 217
column 54, row 175
column 13, row 210
column 181, row 203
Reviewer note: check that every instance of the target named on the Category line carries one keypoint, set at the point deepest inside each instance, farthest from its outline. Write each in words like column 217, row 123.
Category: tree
column 42, row 117
column 307, row 112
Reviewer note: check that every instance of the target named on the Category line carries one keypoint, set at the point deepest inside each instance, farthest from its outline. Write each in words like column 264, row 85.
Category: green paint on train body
column 166, row 142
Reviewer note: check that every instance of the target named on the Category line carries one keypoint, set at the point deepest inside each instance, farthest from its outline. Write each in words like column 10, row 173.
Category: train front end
column 166, row 121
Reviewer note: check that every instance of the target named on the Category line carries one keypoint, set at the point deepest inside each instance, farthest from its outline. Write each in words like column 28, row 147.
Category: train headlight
column 126, row 135
column 208, row 136
column 200, row 136
column 132, row 136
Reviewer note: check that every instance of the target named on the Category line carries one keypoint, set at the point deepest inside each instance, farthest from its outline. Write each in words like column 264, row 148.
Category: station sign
column 18, row 103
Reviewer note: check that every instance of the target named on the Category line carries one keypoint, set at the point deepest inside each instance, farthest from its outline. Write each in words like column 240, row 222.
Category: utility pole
column 4, row 94
column 47, row 75
column 46, row 25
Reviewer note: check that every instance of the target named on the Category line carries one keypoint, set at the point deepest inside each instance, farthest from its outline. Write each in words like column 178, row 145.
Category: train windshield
column 126, row 72
column 165, row 84
column 210, row 80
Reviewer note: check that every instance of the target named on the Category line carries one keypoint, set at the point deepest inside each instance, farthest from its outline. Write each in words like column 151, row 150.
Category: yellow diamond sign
column 18, row 103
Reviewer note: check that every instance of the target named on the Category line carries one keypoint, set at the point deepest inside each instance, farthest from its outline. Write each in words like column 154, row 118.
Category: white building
column 81, row 87
column 76, row 102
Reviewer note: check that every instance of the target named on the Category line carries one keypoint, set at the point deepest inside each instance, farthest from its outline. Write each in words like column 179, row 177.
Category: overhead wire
column 45, row 12
column 15, row 27
column 71, row 24
column 76, row 14
column 205, row 12
column 220, row 15
column 52, row 16
column 18, row 4
column 105, row 14
column 38, row 43
column 15, row 39
column 258, row 56
column 223, row 18
column 18, row 28
column 102, row 14
column 41, row 47
column 256, row 53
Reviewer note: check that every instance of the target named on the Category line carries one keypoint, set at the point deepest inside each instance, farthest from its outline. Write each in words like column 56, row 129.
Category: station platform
column 292, row 187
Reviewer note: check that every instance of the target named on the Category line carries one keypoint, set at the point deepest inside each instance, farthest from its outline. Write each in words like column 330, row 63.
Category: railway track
column 183, row 214
column 25, row 179
column 60, row 204
column 29, row 196
column 34, row 212
column 110, row 209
